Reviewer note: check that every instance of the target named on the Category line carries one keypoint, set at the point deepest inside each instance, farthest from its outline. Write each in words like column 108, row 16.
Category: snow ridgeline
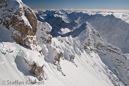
column 79, row 35
column 71, row 49
column 86, row 64
column 74, row 55
column 113, row 29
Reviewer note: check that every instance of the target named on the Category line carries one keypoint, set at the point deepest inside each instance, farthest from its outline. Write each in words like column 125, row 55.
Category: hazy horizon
column 78, row 4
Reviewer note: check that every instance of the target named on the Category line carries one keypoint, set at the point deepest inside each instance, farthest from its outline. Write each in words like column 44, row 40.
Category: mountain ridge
column 64, row 49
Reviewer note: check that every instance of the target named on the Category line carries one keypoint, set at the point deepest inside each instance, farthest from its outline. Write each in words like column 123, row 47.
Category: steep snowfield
column 70, row 50
column 87, row 68
column 5, row 38
column 91, row 33
column 13, row 66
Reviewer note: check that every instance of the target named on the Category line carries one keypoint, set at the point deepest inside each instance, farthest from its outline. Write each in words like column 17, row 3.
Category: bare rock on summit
column 20, row 19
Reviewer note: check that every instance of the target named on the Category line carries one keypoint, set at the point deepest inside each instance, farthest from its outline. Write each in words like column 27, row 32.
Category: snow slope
column 97, row 35
column 69, row 51
column 88, row 67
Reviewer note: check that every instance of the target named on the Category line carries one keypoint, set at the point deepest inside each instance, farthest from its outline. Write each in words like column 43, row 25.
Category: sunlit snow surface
column 88, row 68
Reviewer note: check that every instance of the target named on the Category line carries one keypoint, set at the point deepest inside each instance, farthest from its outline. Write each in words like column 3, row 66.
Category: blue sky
column 78, row 4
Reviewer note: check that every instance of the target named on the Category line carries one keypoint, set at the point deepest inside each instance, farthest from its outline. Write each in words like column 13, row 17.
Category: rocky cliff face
column 20, row 19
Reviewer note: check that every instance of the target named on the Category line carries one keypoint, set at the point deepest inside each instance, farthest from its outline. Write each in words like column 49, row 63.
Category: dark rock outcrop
column 20, row 19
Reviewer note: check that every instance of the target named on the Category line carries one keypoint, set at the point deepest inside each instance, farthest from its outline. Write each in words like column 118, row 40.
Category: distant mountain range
column 63, row 47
